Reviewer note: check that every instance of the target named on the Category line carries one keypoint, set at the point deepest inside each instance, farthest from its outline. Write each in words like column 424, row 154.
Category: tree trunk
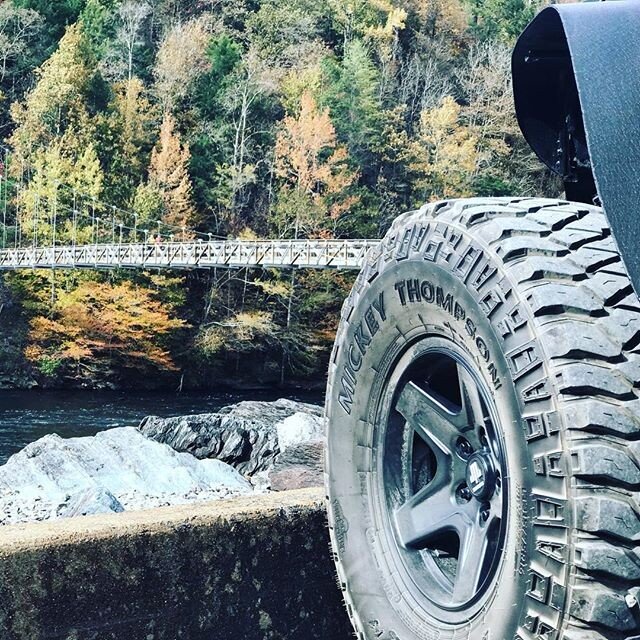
column 289, row 319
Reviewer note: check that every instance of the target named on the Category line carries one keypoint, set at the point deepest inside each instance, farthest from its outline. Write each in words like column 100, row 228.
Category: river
column 26, row 416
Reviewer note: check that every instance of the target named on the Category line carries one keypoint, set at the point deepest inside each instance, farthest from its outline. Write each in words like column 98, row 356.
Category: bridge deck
column 314, row 254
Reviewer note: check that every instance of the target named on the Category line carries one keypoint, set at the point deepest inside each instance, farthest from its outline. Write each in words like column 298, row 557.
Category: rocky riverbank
column 277, row 444
column 244, row 448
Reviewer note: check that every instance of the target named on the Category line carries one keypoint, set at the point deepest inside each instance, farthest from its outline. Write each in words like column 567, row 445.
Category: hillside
column 236, row 118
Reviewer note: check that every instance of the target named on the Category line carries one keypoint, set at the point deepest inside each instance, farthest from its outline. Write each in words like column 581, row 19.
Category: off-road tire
column 542, row 307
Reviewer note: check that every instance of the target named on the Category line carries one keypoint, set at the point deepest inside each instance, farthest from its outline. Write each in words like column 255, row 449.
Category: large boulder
column 299, row 464
column 115, row 470
column 247, row 435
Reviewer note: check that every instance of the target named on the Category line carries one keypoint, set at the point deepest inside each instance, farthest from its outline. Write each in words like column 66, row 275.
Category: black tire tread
column 574, row 280
column 566, row 266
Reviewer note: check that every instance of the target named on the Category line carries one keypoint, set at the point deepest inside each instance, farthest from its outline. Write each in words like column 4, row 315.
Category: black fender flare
column 576, row 81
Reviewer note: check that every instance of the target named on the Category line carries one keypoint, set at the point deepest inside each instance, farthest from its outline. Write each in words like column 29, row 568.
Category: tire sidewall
column 381, row 324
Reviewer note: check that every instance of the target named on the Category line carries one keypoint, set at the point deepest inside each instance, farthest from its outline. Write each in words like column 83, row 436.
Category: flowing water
column 26, row 416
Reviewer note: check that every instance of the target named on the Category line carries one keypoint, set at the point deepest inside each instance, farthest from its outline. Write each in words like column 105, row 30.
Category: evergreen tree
column 352, row 93
column 99, row 24
column 504, row 19
column 57, row 14
column 223, row 56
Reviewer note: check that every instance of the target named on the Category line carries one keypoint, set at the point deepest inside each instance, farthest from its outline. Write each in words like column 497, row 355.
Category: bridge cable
column 5, row 168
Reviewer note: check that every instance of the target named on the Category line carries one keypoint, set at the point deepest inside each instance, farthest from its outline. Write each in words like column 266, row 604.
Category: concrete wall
column 240, row 569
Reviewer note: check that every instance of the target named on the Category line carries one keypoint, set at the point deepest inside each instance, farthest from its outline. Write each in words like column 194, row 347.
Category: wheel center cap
column 480, row 476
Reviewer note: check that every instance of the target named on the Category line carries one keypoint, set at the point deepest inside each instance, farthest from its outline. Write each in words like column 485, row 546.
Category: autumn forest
column 239, row 119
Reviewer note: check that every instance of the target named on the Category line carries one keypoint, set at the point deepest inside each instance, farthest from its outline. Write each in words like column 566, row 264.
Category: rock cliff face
column 115, row 470
column 250, row 436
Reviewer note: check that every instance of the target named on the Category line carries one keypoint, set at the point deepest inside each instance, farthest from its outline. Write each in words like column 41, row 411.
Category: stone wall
column 242, row 569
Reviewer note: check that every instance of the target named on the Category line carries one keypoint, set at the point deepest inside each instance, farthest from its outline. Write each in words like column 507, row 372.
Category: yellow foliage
column 33, row 352
column 247, row 234
column 42, row 197
column 446, row 152
column 248, row 324
column 246, row 331
column 278, row 288
column 131, row 117
column 161, row 281
column 298, row 82
column 395, row 22
column 75, row 351
column 211, row 341
column 377, row 19
column 58, row 98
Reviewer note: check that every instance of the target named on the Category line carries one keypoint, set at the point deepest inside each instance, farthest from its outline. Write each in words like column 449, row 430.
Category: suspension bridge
column 50, row 225
column 312, row 254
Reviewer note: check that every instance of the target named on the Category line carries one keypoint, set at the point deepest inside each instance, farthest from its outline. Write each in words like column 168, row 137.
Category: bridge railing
column 318, row 254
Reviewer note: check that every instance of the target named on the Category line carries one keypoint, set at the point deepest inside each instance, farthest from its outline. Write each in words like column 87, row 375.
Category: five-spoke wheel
column 443, row 471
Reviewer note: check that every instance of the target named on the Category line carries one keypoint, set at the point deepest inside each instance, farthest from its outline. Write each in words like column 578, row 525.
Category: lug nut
column 464, row 493
column 485, row 513
column 464, row 448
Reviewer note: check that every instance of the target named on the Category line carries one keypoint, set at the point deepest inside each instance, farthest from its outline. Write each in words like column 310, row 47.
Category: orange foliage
column 169, row 173
column 311, row 161
column 97, row 324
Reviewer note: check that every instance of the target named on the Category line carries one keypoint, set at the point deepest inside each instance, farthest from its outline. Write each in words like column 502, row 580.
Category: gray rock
column 300, row 466
column 299, row 427
column 114, row 470
column 244, row 435
column 88, row 502
column 300, row 462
